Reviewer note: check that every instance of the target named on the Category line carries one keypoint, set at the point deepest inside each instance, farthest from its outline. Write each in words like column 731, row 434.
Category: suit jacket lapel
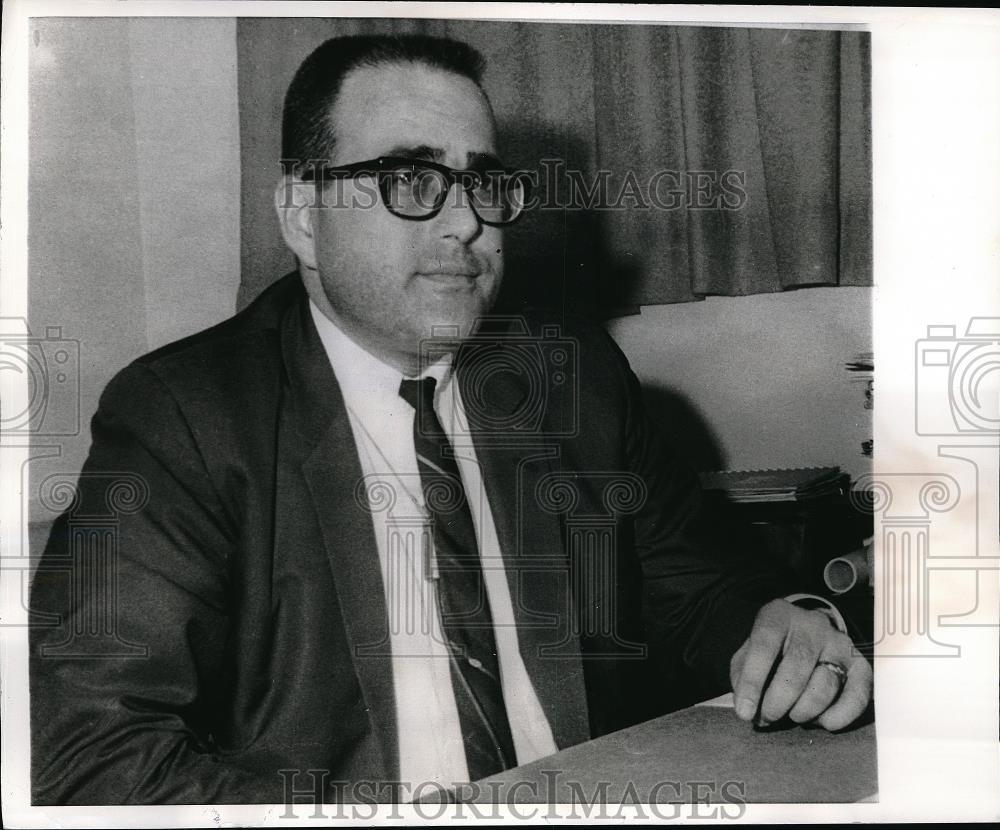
column 514, row 464
column 530, row 537
column 332, row 471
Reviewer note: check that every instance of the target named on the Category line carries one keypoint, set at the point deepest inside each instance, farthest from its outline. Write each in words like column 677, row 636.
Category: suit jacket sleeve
column 700, row 596
column 125, row 719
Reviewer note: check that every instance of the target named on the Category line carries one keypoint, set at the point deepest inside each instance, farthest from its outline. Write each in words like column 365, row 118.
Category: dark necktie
column 466, row 621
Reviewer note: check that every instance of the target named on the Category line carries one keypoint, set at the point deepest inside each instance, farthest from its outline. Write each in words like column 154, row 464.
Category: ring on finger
column 836, row 668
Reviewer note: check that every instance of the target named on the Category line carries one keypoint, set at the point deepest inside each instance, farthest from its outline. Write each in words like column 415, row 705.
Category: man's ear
column 293, row 200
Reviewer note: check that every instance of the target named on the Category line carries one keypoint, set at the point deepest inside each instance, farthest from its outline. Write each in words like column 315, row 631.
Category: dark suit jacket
column 216, row 610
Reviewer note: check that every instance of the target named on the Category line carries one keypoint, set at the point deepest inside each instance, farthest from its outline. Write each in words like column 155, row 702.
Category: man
column 358, row 546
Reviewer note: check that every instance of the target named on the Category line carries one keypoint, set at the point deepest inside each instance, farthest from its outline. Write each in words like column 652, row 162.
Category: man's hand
column 779, row 670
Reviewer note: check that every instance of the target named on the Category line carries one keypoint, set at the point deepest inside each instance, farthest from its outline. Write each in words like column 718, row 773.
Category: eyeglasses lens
column 416, row 191
column 497, row 199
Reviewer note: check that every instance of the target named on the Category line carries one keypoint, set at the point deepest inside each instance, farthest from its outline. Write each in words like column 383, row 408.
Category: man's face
column 389, row 280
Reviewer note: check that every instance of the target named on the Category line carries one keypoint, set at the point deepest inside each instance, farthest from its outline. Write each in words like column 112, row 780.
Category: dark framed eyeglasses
column 418, row 189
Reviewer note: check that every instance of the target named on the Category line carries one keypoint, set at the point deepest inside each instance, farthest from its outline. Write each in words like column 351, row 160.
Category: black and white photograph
column 426, row 412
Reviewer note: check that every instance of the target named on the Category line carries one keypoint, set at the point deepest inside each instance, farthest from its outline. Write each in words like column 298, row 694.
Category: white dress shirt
column 430, row 735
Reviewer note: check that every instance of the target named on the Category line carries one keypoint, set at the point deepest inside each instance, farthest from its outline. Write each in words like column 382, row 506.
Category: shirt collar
column 358, row 371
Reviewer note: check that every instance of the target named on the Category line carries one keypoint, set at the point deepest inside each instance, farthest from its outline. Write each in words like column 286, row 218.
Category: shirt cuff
column 824, row 606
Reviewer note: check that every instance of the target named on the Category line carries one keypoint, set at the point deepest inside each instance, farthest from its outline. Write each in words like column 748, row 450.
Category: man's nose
column 457, row 218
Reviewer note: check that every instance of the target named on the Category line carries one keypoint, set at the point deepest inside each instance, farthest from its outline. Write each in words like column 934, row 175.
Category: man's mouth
column 446, row 276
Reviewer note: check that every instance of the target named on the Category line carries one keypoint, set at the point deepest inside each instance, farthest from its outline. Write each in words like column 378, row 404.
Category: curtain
column 732, row 161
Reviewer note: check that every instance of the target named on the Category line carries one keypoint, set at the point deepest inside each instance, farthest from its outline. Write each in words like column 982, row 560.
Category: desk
column 701, row 744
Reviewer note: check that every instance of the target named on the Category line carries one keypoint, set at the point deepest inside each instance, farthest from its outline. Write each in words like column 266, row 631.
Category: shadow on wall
column 557, row 258
column 684, row 429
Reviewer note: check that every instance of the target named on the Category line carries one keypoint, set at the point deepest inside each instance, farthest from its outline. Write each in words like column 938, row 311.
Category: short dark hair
column 306, row 129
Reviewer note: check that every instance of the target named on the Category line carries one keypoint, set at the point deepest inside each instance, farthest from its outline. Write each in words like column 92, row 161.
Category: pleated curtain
column 759, row 140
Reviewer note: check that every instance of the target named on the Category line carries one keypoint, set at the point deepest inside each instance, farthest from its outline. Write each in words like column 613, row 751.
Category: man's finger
column 790, row 680
column 736, row 664
column 853, row 700
column 764, row 646
column 820, row 692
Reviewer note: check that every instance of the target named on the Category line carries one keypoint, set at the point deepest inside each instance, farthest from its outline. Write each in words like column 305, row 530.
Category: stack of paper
column 797, row 484
column 862, row 368
column 862, row 362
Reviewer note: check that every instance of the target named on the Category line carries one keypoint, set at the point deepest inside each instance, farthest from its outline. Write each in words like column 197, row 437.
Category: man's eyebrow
column 420, row 151
column 473, row 161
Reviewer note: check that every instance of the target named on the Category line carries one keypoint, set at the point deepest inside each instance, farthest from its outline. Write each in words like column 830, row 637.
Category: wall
column 133, row 215
column 134, row 241
column 749, row 382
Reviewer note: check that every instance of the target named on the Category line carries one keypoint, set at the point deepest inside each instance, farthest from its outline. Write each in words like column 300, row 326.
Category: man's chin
column 443, row 332
column 456, row 315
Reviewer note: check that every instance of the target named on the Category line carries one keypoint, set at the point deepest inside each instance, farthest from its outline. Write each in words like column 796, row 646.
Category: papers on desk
column 721, row 702
column 862, row 368
column 796, row 484
column 861, row 362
